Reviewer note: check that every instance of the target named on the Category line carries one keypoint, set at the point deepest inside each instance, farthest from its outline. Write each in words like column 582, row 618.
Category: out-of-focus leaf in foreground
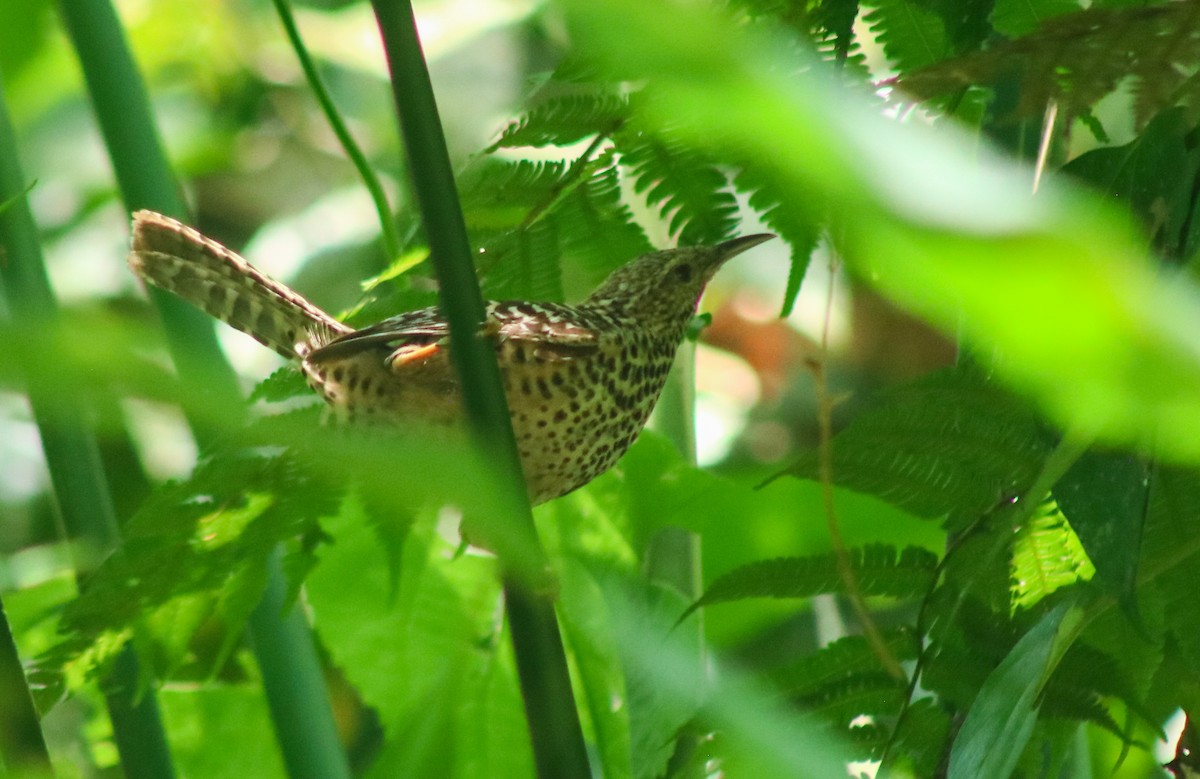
column 1054, row 289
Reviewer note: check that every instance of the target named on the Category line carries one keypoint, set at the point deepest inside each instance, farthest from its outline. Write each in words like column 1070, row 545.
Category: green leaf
column 1086, row 679
column 207, row 536
column 947, row 442
column 861, row 695
column 426, row 655
column 835, row 31
column 8, row 202
column 1105, row 497
column 1055, row 292
column 284, row 384
column 912, row 35
column 782, row 211
column 759, row 737
column 498, row 194
column 1152, row 174
column 526, row 264
column 397, row 267
column 656, row 715
column 878, row 568
column 920, row 740
column 234, row 716
column 586, row 625
column 1019, row 17
column 1047, row 555
column 1171, row 555
column 1000, row 721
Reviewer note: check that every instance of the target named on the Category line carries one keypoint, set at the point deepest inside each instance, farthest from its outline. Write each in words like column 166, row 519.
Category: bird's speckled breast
column 574, row 412
column 574, row 418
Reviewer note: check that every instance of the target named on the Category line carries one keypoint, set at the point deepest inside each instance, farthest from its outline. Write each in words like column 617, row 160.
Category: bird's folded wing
column 555, row 331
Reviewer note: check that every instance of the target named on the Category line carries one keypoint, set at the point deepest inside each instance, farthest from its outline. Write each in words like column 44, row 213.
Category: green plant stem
column 72, row 456
column 391, row 241
column 557, row 737
column 841, row 554
column 283, row 643
column 673, row 554
column 146, row 181
column 22, row 746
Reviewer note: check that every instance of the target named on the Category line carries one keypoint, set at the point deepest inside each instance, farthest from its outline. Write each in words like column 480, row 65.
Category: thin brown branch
column 825, row 452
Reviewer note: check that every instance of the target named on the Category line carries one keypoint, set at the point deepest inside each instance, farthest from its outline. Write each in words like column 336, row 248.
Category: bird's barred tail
column 179, row 259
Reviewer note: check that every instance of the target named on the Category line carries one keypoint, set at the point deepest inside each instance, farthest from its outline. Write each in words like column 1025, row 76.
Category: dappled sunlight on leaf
column 1046, row 556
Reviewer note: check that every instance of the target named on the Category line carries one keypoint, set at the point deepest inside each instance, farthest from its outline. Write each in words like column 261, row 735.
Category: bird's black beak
column 736, row 246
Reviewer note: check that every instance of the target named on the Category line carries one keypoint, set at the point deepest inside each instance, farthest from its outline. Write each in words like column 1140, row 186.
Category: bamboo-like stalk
column 295, row 687
column 72, row 456
column 22, row 745
column 146, row 181
column 557, row 737
column 292, row 678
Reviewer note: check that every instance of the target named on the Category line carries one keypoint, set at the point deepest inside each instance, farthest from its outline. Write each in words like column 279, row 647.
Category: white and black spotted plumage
column 580, row 380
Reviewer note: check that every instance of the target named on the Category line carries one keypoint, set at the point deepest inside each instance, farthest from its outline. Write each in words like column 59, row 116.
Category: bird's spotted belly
column 573, row 419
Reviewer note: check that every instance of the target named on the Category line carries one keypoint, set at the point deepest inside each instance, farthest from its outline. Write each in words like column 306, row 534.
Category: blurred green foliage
column 1051, row 470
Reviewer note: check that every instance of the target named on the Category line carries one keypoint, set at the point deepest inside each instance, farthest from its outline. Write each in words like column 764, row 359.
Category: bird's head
column 664, row 287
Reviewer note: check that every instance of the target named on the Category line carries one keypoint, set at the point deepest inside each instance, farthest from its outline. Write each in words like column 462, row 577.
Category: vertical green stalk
column 387, row 225
column 283, row 644
column 541, row 660
column 22, row 746
column 301, row 693
column 673, row 554
column 72, row 455
column 145, row 180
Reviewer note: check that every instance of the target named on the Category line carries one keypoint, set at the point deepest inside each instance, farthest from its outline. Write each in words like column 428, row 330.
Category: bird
column 580, row 380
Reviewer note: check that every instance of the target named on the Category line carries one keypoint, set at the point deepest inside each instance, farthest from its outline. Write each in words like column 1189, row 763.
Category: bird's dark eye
column 682, row 273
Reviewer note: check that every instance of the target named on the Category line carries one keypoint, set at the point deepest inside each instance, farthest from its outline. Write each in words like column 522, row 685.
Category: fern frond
column 498, row 194
column 686, row 189
column 948, row 442
column 526, row 263
column 864, row 695
column 284, row 384
column 783, row 210
column 880, row 571
column 912, row 34
column 599, row 231
column 1086, row 676
column 564, row 120
column 518, row 259
column 834, row 34
column 1047, row 555
column 1076, row 59
column 1078, row 705
column 840, row 660
column 196, row 549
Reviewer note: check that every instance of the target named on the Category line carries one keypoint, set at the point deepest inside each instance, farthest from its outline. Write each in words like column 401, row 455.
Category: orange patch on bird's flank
column 418, row 354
